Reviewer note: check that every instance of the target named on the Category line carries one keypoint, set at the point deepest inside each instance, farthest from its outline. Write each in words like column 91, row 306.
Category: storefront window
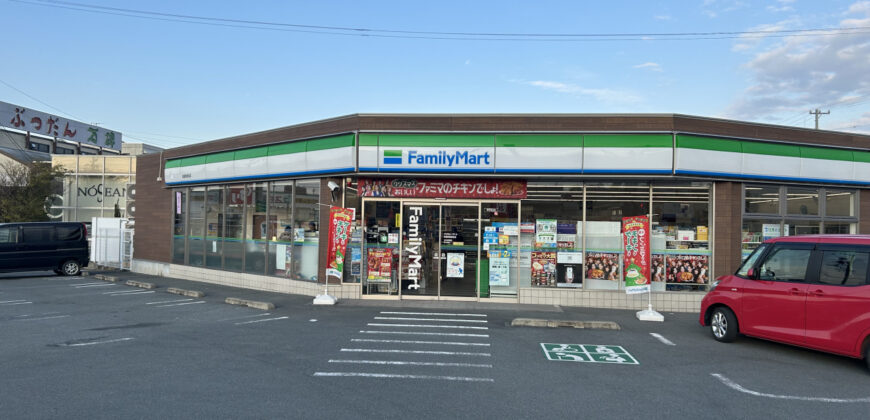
column 762, row 199
column 499, row 274
column 802, row 201
column 178, row 232
column 214, row 220
column 381, row 247
column 840, row 228
column 550, row 235
column 755, row 232
column 234, row 227
column 680, row 236
column 306, row 216
column 353, row 264
column 839, row 203
column 606, row 205
column 801, row 227
column 256, row 226
column 195, row 227
column 281, row 230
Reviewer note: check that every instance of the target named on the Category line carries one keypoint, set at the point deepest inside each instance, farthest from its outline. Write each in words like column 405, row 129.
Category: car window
column 743, row 271
column 69, row 233
column 785, row 264
column 844, row 268
column 8, row 235
column 34, row 234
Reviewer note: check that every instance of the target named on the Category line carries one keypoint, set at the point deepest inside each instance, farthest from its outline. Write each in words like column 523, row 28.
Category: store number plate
column 592, row 353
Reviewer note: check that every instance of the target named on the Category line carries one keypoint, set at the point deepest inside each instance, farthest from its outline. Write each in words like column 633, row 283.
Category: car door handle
column 795, row 292
column 817, row 293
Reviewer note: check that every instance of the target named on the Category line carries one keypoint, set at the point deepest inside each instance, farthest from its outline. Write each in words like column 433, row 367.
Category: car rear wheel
column 723, row 325
column 70, row 268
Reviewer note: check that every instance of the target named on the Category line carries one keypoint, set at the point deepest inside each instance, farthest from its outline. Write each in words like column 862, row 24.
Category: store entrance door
column 439, row 249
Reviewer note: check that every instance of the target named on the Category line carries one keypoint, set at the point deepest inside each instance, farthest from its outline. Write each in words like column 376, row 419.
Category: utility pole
column 818, row 114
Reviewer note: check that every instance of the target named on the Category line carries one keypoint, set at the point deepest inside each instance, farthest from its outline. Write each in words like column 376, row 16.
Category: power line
column 441, row 35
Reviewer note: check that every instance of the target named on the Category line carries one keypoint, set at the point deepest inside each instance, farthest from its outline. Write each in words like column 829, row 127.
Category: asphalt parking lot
column 80, row 347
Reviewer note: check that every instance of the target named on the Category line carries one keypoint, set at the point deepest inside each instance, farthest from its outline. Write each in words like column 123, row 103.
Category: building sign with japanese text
column 36, row 122
column 442, row 188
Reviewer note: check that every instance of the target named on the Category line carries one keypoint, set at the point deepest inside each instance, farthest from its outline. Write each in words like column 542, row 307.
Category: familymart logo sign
column 443, row 158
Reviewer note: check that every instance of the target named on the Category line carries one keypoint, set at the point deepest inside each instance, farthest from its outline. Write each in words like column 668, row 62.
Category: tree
column 24, row 189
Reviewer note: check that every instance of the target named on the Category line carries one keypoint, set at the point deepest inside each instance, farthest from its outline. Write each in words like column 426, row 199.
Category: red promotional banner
column 635, row 237
column 340, row 220
column 442, row 188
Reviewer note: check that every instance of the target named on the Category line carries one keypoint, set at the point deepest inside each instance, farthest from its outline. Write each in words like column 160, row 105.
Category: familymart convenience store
column 529, row 215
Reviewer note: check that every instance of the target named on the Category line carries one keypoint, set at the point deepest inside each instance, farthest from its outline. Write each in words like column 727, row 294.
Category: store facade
column 521, row 209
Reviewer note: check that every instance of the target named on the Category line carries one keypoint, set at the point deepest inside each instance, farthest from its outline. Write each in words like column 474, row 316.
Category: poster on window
column 543, row 268
column 657, row 268
column 379, row 265
column 545, row 233
column 569, row 269
column 688, row 268
column 602, row 266
column 340, row 220
column 456, row 264
column 499, row 271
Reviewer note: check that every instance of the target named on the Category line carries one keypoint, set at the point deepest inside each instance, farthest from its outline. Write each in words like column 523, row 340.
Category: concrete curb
column 191, row 293
column 104, row 277
column 140, row 284
column 554, row 323
column 266, row 306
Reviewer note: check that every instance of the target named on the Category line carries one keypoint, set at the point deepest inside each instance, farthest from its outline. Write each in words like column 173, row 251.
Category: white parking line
column 429, row 319
column 261, row 320
column 662, row 339
column 427, row 326
column 180, row 304
column 735, row 386
column 404, row 363
column 12, row 301
column 169, row 301
column 133, row 293
column 425, row 333
column 15, row 303
column 429, row 313
column 127, row 292
column 445, row 343
column 99, row 342
column 84, row 286
column 395, row 376
column 246, row 316
column 444, row 353
column 45, row 317
column 89, row 284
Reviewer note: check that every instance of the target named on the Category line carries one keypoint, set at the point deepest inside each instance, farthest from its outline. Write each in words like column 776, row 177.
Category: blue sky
column 171, row 83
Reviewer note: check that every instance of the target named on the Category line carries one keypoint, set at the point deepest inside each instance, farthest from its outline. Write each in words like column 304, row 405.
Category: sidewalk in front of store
column 215, row 292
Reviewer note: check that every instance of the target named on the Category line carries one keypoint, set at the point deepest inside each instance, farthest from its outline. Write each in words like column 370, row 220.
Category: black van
column 62, row 247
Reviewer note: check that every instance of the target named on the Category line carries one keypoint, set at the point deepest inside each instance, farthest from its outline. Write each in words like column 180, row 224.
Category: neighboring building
column 507, row 208
column 136, row 149
column 94, row 186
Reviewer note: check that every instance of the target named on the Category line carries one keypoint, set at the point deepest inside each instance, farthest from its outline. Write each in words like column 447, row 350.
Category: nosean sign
column 415, row 242
column 446, row 159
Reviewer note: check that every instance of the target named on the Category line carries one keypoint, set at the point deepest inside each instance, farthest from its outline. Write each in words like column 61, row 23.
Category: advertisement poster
column 602, row 266
column 770, row 231
column 499, row 271
column 355, row 261
column 340, row 220
column 635, row 237
column 456, row 264
column 688, row 268
column 543, row 268
column 569, row 269
column 445, row 188
column 379, row 265
column 545, row 233
column 657, row 267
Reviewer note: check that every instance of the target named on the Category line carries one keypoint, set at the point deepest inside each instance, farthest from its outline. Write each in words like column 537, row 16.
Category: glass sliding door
column 380, row 252
column 421, row 259
column 458, row 260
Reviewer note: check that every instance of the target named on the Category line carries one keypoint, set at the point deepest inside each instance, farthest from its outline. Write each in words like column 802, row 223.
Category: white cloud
column 609, row 96
column 649, row 65
column 779, row 9
column 713, row 8
column 859, row 7
column 663, row 17
column 804, row 72
column 860, row 124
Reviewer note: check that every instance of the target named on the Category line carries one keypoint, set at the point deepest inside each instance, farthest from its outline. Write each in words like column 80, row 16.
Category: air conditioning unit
column 130, row 209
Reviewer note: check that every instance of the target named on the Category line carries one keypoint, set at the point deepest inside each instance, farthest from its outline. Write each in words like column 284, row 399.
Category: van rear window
column 69, row 233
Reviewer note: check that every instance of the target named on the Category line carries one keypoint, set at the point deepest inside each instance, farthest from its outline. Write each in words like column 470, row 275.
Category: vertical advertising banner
column 340, row 220
column 635, row 238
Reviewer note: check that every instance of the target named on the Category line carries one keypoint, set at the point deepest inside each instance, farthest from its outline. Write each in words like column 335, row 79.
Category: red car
column 809, row 291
